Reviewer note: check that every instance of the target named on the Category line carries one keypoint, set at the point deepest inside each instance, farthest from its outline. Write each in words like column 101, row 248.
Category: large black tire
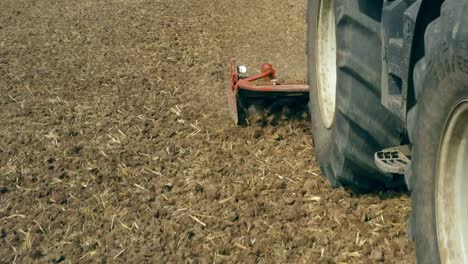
column 361, row 124
column 441, row 82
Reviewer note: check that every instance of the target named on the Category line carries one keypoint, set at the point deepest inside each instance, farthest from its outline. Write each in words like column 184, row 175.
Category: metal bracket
column 393, row 160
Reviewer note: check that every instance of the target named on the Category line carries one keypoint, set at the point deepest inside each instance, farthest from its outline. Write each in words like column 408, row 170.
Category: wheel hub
column 326, row 62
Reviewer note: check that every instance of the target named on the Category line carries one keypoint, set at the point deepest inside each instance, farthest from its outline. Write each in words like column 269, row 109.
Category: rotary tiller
column 245, row 91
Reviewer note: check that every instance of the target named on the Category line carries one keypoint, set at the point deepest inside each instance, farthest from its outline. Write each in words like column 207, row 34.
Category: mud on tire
column 361, row 125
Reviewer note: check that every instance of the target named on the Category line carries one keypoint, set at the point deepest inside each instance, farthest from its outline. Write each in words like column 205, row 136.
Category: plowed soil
column 116, row 145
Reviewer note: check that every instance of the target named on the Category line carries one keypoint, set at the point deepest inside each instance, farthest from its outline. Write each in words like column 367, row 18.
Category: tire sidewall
column 446, row 85
column 322, row 136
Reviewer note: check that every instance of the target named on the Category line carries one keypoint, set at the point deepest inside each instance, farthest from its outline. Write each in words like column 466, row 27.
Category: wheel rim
column 452, row 188
column 326, row 62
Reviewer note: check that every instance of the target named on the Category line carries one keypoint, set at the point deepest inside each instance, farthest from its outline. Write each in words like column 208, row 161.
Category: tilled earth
column 116, row 145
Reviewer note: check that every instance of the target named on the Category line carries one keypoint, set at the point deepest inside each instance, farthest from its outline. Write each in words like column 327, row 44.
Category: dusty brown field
column 115, row 145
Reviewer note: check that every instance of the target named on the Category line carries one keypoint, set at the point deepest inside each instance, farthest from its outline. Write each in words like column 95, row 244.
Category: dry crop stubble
column 116, row 145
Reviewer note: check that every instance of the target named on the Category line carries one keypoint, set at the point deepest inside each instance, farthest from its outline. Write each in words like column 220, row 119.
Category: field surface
column 116, row 145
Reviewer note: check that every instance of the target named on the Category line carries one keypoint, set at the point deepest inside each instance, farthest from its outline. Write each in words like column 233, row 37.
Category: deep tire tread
column 348, row 13
column 359, row 114
column 365, row 125
column 359, row 70
column 362, row 125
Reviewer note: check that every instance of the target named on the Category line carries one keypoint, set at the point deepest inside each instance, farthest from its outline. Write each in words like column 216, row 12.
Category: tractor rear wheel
column 349, row 124
column 438, row 128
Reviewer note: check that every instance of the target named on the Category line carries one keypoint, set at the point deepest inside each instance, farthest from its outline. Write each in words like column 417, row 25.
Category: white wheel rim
column 326, row 62
column 452, row 188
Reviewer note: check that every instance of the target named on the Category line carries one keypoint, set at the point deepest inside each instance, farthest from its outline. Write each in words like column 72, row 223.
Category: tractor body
column 388, row 99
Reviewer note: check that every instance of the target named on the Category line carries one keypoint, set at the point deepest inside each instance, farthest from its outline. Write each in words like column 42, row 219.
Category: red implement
column 241, row 87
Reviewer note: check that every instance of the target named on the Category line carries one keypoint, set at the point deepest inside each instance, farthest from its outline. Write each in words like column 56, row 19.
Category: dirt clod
column 3, row 190
column 58, row 259
column 377, row 255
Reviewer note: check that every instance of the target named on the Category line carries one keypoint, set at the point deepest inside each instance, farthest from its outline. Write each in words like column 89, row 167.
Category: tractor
column 388, row 99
